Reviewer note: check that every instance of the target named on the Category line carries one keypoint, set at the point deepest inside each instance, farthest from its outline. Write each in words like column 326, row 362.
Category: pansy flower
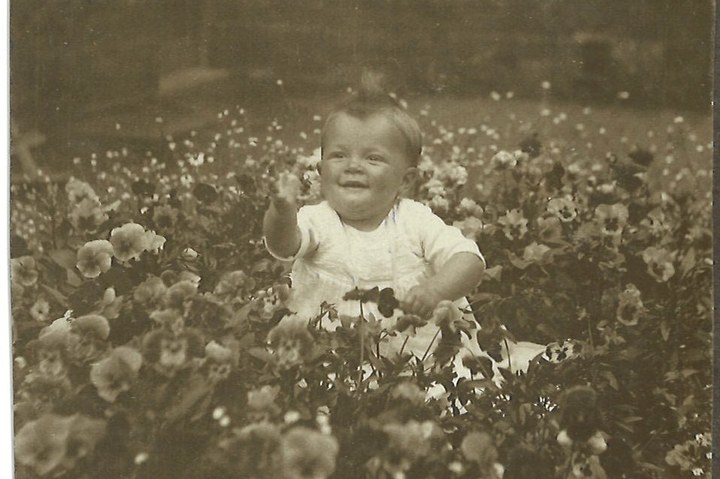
column 406, row 443
column 23, row 271
column 612, row 219
column 94, row 258
column 85, row 433
column 87, row 339
column 549, row 229
column 656, row 223
column 154, row 241
column 220, row 360
column 478, row 447
column 42, row 444
column 439, row 204
column 116, row 373
column 234, row 285
column 447, row 315
column 261, row 404
column 535, row 253
column 409, row 324
column 170, row 352
column 659, row 262
column 87, row 215
column 129, row 241
column 503, row 160
column 78, row 191
column 256, row 451
column 558, row 352
column 514, row 224
column 52, row 354
column 40, row 310
column 150, row 292
column 630, row 306
column 291, row 341
column 564, row 208
column 409, row 394
column 470, row 208
column 308, row 454
column 470, row 227
column 179, row 293
column 43, row 392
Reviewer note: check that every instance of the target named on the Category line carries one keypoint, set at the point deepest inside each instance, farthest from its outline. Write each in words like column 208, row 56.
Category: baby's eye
column 376, row 159
column 336, row 155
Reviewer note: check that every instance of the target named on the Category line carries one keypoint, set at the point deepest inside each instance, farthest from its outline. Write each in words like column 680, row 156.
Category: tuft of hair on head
column 372, row 88
column 372, row 98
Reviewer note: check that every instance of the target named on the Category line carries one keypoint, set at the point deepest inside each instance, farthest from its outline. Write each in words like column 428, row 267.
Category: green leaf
column 196, row 390
column 687, row 263
column 261, row 354
column 612, row 380
column 665, row 330
column 64, row 257
column 57, row 295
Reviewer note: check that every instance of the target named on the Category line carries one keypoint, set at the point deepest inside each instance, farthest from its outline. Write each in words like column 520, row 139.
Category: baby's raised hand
column 287, row 187
column 420, row 300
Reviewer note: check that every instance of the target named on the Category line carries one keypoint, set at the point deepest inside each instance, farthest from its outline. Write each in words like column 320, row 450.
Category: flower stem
column 430, row 345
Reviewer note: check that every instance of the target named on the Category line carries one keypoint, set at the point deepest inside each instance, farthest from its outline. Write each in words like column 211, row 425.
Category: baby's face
column 364, row 165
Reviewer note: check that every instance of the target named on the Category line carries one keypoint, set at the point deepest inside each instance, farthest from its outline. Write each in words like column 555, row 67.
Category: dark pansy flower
column 531, row 145
column 205, row 193
column 641, row 156
column 579, row 413
column 143, row 188
column 387, row 302
column 409, row 323
column 165, row 217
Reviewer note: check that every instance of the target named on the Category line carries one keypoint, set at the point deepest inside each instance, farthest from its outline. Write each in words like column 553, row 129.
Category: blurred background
column 88, row 74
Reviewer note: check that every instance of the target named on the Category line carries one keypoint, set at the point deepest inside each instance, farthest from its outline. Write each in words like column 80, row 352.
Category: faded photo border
column 6, row 360
column 6, row 402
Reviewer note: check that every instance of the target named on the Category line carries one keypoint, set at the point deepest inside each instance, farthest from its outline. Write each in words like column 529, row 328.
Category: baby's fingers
column 288, row 186
column 415, row 305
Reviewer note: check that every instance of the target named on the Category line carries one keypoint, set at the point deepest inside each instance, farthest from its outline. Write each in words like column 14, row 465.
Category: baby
column 364, row 234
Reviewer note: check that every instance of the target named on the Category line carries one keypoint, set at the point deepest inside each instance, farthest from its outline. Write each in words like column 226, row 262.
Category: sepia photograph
column 361, row 239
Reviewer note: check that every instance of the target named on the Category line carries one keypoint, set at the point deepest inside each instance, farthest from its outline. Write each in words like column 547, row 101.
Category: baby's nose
column 354, row 164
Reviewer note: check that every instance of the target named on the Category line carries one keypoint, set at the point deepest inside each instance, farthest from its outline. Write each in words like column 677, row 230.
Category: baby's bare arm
column 458, row 277
column 280, row 227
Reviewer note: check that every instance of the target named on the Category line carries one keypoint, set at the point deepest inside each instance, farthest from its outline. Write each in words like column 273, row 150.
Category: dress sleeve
column 308, row 223
column 439, row 241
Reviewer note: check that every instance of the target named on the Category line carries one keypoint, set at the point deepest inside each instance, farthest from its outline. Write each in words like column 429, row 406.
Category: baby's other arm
column 458, row 277
column 280, row 225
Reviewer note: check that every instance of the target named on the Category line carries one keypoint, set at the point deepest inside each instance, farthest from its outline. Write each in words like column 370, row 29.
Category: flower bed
column 150, row 335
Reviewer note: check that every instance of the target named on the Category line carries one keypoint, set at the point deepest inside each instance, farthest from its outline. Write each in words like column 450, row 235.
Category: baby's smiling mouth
column 353, row 184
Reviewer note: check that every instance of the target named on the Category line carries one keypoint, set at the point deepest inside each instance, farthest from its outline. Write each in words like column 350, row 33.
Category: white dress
column 412, row 243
